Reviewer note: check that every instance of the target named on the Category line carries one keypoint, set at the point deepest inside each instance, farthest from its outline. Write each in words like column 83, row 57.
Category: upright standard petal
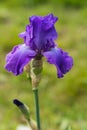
column 18, row 58
column 41, row 33
column 60, row 59
column 49, row 21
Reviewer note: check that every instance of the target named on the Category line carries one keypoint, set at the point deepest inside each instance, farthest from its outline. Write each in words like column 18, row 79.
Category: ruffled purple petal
column 27, row 35
column 18, row 58
column 37, row 33
column 23, row 35
column 60, row 59
column 41, row 33
column 49, row 21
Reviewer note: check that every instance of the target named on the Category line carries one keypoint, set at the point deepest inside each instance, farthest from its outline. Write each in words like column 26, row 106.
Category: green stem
column 37, row 108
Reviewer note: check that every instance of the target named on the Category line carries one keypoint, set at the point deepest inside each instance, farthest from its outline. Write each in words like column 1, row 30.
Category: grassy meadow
column 63, row 102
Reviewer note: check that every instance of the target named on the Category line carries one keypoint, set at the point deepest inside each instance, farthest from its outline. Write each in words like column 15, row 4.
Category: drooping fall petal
column 60, row 59
column 18, row 58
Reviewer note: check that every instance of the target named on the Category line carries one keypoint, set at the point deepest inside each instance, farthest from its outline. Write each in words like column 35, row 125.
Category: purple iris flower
column 39, row 39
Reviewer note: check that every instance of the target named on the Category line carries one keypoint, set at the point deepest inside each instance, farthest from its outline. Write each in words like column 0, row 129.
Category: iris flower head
column 39, row 38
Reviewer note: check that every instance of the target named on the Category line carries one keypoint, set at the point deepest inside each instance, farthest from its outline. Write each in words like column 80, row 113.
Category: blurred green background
column 63, row 102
